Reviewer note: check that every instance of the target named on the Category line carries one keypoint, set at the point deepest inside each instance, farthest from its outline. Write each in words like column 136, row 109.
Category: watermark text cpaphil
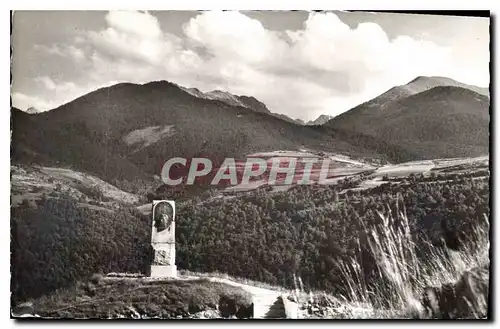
column 231, row 171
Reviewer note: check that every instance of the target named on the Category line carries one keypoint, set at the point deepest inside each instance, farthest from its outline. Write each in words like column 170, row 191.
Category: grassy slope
column 142, row 298
column 33, row 183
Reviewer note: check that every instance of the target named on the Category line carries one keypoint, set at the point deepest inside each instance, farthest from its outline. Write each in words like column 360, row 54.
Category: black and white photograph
column 250, row 164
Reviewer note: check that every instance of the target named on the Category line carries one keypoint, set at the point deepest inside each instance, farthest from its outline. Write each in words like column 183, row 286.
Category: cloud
column 23, row 101
column 134, row 36
column 50, row 84
column 141, row 24
column 55, row 93
column 232, row 35
column 68, row 51
column 325, row 67
column 77, row 54
column 350, row 60
column 51, row 50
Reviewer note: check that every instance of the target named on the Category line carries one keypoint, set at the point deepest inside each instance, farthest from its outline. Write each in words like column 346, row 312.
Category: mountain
column 322, row 119
column 243, row 101
column 127, row 131
column 288, row 119
column 421, row 120
column 32, row 110
column 422, row 83
column 416, row 86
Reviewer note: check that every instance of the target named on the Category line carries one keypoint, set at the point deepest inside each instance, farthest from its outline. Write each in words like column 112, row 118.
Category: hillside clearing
column 31, row 183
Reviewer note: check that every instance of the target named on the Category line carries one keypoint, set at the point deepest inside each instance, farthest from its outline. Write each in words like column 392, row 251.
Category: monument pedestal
column 163, row 271
column 163, row 240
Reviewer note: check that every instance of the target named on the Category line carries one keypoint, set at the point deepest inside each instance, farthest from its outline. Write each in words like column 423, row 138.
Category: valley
column 197, row 250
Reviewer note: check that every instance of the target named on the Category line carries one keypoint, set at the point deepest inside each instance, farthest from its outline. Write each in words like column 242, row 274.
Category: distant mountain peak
column 218, row 91
column 423, row 83
column 430, row 117
column 423, row 78
column 228, row 98
column 32, row 110
column 322, row 119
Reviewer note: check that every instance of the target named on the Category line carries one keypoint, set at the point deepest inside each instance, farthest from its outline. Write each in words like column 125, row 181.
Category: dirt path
column 267, row 302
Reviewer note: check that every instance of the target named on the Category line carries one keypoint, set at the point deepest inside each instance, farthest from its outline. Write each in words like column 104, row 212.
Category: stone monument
column 163, row 239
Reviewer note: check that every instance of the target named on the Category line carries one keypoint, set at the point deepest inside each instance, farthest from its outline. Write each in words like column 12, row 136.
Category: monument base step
column 163, row 271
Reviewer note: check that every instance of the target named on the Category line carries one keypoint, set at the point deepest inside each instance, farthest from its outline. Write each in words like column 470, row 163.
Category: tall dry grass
column 404, row 272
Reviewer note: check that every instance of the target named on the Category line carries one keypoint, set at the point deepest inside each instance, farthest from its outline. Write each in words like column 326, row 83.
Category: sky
column 302, row 64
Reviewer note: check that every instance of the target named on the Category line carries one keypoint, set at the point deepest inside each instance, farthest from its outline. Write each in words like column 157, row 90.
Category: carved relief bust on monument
column 163, row 239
